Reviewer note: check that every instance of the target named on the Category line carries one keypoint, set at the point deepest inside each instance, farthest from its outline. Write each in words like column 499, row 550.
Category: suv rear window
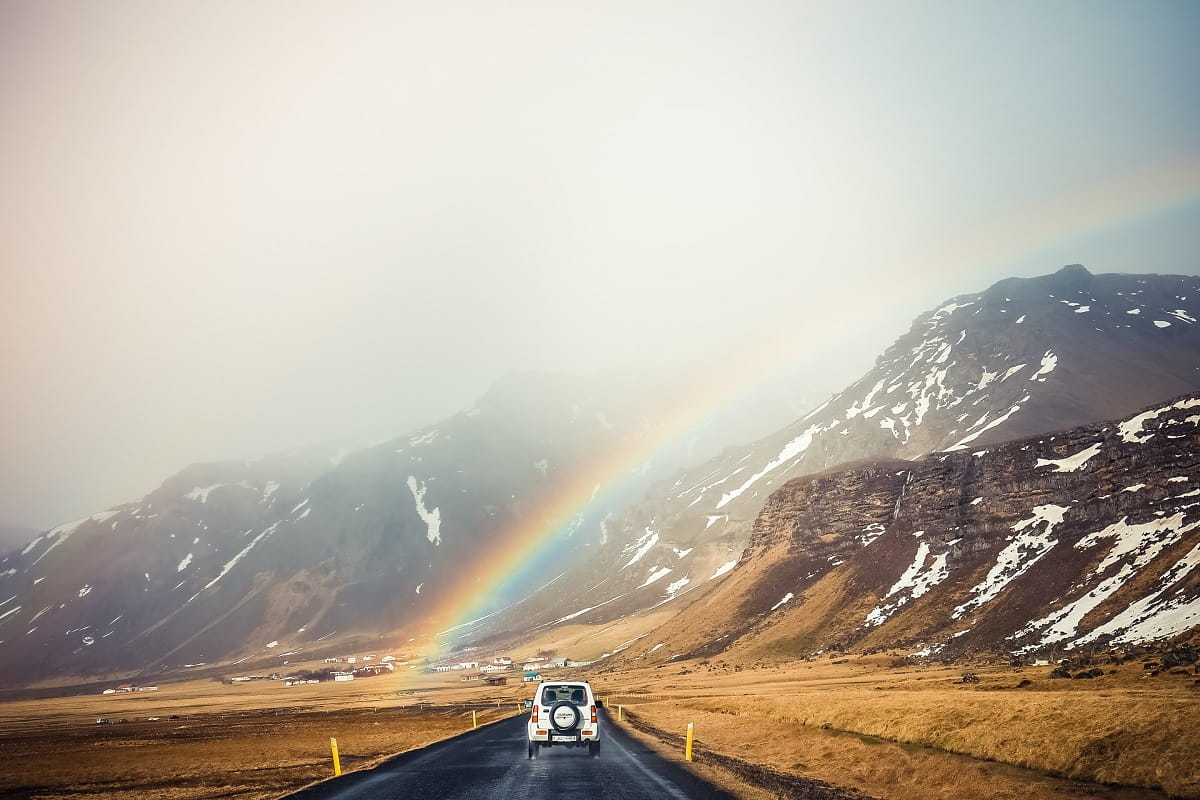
column 557, row 694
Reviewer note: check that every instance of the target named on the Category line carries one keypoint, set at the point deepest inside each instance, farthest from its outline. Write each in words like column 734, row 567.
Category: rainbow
column 1094, row 208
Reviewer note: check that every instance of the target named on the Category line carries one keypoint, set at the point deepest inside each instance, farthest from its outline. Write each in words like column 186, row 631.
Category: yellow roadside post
column 474, row 724
column 337, row 763
column 619, row 711
column 687, row 752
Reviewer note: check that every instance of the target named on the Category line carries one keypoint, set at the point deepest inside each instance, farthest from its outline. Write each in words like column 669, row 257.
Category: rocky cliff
column 1088, row 537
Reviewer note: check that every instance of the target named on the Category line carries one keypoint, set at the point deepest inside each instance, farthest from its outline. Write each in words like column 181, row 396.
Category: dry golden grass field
column 921, row 734
column 253, row 740
column 894, row 733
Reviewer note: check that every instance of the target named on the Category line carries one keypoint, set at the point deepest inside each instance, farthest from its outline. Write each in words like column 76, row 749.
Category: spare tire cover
column 564, row 716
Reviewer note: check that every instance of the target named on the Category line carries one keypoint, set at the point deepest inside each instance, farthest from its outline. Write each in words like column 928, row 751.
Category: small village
column 341, row 669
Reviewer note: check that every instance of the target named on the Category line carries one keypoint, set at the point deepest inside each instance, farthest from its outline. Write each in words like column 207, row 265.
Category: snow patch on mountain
column 201, row 493
column 871, row 533
column 641, row 547
column 786, row 598
column 1139, row 544
column 431, row 517
column 233, row 561
column 962, row 443
column 1131, row 429
column 1049, row 363
column 64, row 532
column 1024, row 549
column 1073, row 462
column 1163, row 613
column 656, row 575
column 922, row 574
column 726, row 567
column 423, row 438
column 789, row 452
column 675, row 586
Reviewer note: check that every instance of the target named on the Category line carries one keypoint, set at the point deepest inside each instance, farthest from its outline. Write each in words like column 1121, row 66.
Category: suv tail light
column 593, row 713
column 535, row 710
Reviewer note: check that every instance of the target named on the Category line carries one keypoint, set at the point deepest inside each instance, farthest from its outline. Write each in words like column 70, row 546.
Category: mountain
column 1089, row 537
column 1025, row 356
column 263, row 558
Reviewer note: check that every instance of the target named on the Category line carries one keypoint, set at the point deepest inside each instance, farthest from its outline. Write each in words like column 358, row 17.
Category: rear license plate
column 563, row 739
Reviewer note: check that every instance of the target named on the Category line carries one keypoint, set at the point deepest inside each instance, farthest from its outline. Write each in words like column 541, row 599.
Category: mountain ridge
column 1024, row 356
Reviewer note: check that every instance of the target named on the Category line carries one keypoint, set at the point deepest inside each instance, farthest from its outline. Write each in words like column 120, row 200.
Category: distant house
column 386, row 659
column 343, row 676
column 442, row 668
column 495, row 680
column 352, row 660
column 373, row 669
column 530, row 677
column 502, row 661
column 560, row 662
column 494, row 668
column 109, row 691
column 534, row 665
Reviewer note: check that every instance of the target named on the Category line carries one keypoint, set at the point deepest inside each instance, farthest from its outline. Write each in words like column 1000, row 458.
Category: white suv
column 564, row 714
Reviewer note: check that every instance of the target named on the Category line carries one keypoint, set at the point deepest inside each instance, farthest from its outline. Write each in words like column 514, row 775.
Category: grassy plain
column 251, row 740
column 894, row 733
column 921, row 734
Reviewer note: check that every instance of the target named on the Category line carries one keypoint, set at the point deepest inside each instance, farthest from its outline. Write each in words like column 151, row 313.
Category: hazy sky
column 231, row 227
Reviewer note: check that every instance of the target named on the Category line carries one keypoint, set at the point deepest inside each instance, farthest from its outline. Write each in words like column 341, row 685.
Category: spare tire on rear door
column 564, row 716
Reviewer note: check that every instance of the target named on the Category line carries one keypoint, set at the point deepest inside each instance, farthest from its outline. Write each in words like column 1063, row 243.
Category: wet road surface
column 492, row 763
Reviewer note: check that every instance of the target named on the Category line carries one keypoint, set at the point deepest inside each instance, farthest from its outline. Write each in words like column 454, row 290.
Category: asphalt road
column 491, row 763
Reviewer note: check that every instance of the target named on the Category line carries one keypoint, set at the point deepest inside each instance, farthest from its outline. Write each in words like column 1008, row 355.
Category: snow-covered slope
column 1023, row 357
